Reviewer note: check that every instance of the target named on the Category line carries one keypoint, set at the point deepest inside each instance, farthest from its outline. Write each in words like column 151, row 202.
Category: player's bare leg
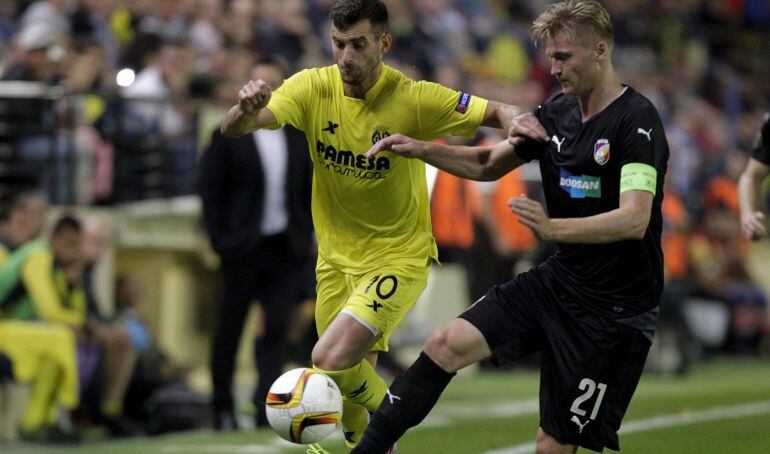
column 413, row 394
column 456, row 346
column 344, row 344
column 546, row 444
column 344, row 353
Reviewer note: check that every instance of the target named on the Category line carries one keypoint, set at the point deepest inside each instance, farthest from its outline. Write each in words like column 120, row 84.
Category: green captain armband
column 639, row 177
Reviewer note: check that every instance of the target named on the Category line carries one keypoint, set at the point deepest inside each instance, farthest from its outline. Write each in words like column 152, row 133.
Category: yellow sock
column 354, row 422
column 363, row 391
column 53, row 415
column 112, row 408
column 41, row 397
column 360, row 384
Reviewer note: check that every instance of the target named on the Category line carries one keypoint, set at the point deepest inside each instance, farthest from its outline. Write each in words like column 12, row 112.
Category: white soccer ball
column 304, row 406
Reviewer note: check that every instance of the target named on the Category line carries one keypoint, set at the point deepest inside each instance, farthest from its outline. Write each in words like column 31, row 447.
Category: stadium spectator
column 42, row 354
column 46, row 284
column 40, row 56
column 161, row 91
column 163, row 80
column 286, row 31
column 154, row 371
column 52, row 13
column 454, row 204
column 108, row 341
column 25, row 217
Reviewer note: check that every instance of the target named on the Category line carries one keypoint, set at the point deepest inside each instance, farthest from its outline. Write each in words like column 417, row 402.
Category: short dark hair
column 345, row 13
column 67, row 222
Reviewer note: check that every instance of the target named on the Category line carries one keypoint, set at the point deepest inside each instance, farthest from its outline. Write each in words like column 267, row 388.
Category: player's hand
column 397, row 143
column 254, row 96
column 526, row 126
column 532, row 214
column 753, row 226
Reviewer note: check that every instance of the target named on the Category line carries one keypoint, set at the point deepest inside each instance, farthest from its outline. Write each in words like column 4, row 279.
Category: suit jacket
column 232, row 188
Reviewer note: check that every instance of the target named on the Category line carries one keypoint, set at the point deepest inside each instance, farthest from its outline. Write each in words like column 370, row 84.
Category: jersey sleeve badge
column 463, row 102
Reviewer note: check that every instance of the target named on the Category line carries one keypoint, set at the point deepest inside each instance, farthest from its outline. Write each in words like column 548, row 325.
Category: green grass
column 499, row 410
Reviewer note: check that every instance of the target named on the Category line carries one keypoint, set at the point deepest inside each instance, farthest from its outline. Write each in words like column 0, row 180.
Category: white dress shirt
column 274, row 154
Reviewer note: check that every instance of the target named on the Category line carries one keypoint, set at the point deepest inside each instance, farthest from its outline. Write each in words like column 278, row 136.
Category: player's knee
column 330, row 358
column 440, row 348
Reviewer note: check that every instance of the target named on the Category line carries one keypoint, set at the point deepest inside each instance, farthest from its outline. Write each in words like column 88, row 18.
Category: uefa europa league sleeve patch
column 463, row 102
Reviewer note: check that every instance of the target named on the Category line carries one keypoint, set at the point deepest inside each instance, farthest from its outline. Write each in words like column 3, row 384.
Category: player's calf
column 407, row 402
column 546, row 444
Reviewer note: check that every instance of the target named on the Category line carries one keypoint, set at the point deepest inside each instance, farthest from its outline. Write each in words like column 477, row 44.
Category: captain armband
column 639, row 177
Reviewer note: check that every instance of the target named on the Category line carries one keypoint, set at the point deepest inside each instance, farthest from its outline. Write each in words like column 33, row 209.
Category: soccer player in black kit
column 758, row 167
column 591, row 308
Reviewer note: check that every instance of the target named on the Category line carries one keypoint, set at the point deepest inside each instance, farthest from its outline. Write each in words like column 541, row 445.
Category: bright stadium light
column 125, row 77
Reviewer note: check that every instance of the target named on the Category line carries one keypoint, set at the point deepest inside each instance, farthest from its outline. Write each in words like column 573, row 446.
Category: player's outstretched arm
column 752, row 220
column 499, row 115
column 250, row 113
column 474, row 163
column 627, row 222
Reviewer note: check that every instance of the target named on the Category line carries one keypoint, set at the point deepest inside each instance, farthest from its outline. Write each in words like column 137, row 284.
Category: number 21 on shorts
column 589, row 387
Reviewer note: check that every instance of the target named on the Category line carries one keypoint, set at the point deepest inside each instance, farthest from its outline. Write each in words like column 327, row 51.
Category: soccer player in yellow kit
column 371, row 217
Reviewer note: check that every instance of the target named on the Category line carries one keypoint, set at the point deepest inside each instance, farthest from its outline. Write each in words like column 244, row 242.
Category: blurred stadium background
column 105, row 105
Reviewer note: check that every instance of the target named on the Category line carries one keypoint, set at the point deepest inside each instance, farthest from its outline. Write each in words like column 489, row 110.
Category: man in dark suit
column 256, row 208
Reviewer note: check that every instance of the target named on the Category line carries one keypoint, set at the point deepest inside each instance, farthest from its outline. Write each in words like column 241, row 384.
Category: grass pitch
column 721, row 407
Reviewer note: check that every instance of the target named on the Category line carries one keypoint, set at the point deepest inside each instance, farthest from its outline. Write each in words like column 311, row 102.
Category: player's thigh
column 509, row 317
column 590, row 369
column 382, row 298
column 333, row 289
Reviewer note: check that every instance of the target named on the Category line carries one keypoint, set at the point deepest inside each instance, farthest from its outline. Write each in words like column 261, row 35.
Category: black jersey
column 761, row 151
column 580, row 168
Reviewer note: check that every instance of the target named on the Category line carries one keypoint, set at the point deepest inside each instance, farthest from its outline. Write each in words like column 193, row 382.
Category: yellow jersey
column 369, row 213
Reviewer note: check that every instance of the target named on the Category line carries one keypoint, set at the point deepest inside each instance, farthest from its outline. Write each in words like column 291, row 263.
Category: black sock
column 410, row 398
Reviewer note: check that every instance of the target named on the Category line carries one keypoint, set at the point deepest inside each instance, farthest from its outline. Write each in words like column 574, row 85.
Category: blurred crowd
column 129, row 88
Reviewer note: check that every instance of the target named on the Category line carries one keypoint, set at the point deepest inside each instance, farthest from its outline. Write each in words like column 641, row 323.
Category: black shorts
column 591, row 365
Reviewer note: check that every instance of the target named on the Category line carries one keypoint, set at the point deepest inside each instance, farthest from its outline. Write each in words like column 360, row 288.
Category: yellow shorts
column 379, row 299
column 28, row 343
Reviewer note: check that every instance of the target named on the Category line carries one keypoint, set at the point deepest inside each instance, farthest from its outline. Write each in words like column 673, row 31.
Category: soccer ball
column 304, row 406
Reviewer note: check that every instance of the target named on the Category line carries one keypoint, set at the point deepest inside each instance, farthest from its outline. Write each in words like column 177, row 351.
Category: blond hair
column 572, row 17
